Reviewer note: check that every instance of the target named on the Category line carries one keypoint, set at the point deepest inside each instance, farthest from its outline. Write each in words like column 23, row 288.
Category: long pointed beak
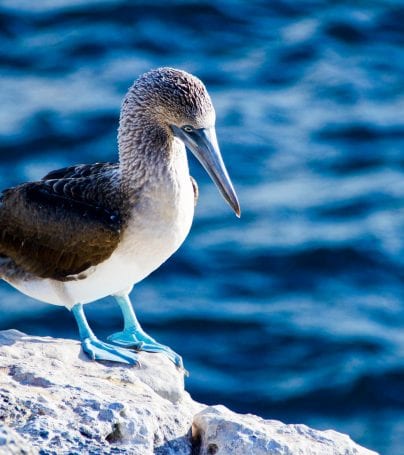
column 203, row 144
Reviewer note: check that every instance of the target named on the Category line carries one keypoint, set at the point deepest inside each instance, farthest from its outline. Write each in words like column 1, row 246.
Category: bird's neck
column 148, row 153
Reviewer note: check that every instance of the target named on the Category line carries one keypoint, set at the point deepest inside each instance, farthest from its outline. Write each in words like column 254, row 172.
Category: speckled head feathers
column 172, row 96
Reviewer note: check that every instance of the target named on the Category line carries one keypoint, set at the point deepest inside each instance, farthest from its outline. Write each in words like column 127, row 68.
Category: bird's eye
column 188, row 129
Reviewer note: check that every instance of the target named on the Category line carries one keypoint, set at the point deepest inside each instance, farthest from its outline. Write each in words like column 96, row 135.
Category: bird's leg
column 134, row 336
column 96, row 349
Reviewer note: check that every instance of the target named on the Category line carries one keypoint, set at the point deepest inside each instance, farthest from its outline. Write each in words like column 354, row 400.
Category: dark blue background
column 295, row 311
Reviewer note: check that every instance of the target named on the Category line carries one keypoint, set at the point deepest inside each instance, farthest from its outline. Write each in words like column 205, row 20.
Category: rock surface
column 225, row 432
column 54, row 400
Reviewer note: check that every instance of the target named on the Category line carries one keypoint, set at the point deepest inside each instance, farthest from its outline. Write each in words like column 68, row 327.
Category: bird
column 89, row 231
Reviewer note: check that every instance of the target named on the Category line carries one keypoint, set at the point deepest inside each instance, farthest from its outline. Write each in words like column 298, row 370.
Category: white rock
column 59, row 399
column 11, row 443
column 223, row 432
column 54, row 399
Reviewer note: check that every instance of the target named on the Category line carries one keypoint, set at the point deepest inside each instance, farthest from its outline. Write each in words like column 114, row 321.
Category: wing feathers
column 59, row 227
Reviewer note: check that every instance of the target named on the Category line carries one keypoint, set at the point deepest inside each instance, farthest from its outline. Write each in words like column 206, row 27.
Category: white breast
column 158, row 226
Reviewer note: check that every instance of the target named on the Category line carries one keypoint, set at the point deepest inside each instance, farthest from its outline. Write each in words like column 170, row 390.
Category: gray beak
column 203, row 144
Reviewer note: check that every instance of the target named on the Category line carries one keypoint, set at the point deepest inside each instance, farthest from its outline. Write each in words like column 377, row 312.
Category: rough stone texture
column 11, row 443
column 54, row 400
column 60, row 401
column 223, row 432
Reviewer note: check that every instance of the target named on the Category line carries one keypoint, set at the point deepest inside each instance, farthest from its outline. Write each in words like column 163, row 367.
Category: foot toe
column 127, row 339
column 143, row 342
column 157, row 347
column 97, row 350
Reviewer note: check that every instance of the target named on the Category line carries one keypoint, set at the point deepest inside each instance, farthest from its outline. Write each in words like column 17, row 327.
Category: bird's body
column 88, row 231
column 153, row 228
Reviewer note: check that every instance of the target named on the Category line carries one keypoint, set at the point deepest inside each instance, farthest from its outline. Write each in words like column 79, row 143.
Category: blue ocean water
column 295, row 311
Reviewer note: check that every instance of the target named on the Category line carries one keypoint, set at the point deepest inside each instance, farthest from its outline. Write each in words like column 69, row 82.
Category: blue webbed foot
column 141, row 341
column 98, row 350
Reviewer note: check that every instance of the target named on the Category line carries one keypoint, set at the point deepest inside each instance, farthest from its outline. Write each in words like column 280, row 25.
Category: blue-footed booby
column 88, row 231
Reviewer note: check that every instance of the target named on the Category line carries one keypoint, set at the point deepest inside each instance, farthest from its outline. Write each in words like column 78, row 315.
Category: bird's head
column 180, row 103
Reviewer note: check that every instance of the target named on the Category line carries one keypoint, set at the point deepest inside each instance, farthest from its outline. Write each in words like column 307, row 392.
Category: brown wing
column 81, row 170
column 58, row 227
